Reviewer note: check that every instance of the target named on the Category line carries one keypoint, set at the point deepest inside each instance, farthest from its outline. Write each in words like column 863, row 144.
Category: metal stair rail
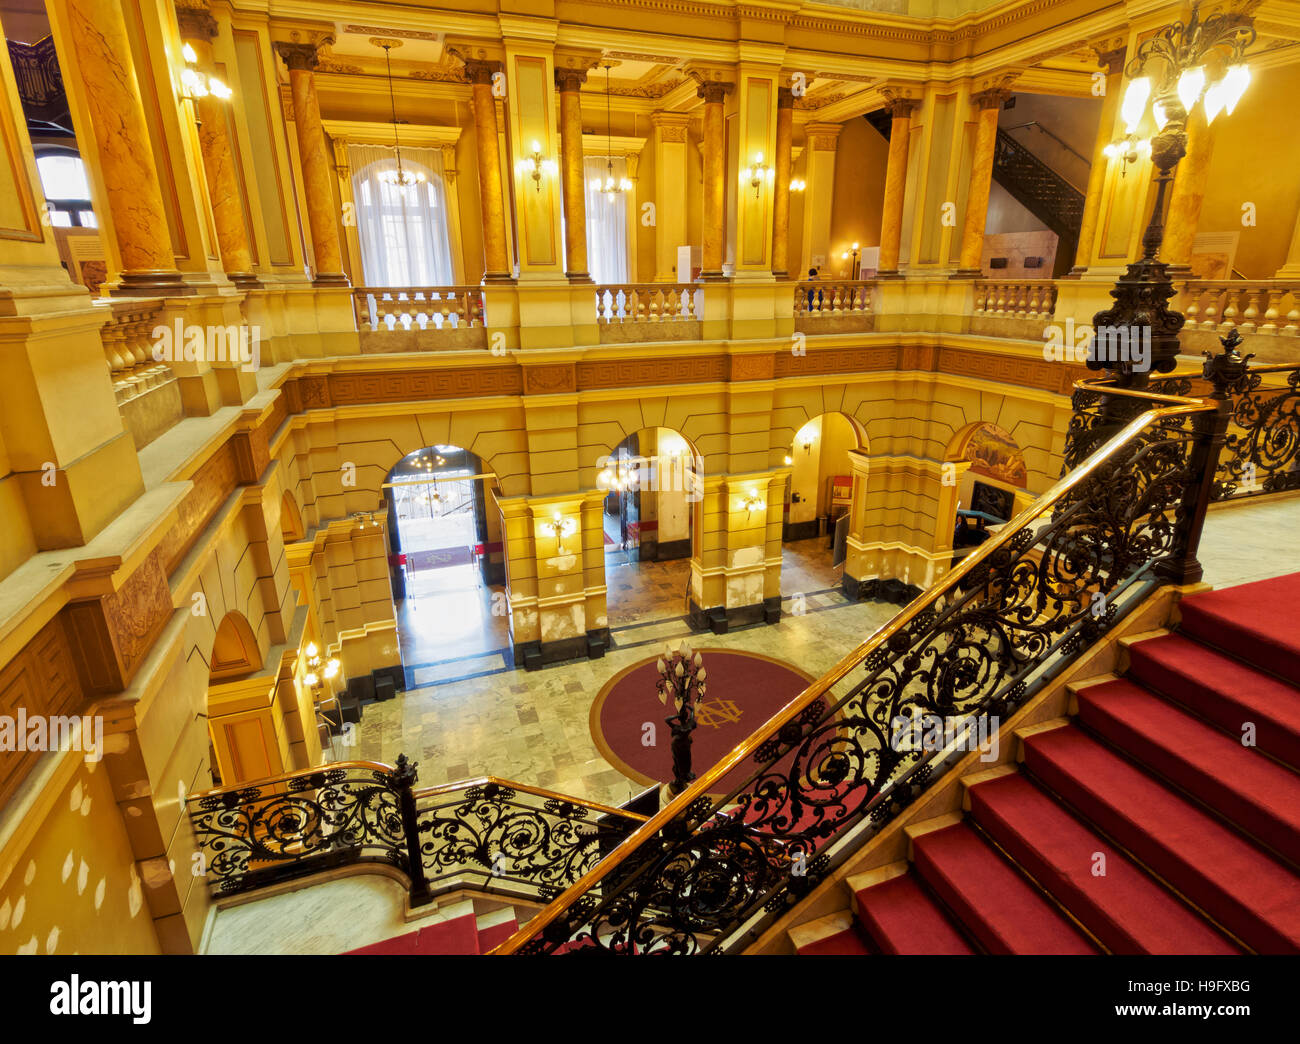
column 716, row 866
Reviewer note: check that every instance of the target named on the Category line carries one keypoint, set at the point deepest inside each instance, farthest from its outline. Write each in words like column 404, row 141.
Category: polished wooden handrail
column 708, row 781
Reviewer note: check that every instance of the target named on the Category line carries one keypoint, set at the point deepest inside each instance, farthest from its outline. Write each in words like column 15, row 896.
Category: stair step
column 900, row 918
column 832, row 936
column 495, row 928
column 1222, row 690
column 1259, row 796
column 990, row 898
column 457, row 936
column 1250, row 893
column 1255, row 622
column 1126, row 909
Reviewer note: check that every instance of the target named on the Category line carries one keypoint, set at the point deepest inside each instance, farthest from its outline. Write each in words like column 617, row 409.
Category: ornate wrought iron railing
column 1261, row 443
column 712, row 869
column 486, row 833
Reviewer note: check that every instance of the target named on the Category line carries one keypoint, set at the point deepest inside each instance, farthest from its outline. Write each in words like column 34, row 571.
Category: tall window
column 66, row 189
column 403, row 230
column 606, row 222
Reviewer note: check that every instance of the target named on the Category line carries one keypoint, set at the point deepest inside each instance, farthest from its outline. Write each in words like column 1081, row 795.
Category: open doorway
column 986, row 492
column 819, row 497
column 652, row 479
column 448, row 590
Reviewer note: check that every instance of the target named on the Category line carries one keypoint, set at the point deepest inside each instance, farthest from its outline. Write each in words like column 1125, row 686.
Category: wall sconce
column 1129, row 149
column 318, row 669
column 807, row 444
column 789, row 459
column 536, row 165
column 561, row 527
column 758, row 173
column 365, row 519
column 797, row 185
column 196, row 84
column 752, row 502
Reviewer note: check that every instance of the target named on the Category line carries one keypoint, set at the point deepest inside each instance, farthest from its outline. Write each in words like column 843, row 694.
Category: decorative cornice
column 196, row 22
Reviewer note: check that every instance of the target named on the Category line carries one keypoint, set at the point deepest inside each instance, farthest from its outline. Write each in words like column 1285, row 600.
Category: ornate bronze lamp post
column 681, row 685
column 1183, row 65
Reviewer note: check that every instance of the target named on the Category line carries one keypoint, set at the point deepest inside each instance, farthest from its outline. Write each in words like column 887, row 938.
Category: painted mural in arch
column 994, row 454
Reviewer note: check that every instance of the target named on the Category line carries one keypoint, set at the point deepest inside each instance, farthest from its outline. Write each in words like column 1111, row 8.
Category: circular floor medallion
column 744, row 690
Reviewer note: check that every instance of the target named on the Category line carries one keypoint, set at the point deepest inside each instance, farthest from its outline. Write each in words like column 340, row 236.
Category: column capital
column 479, row 68
column 713, row 91
column 567, row 80
column 299, row 57
column 993, row 98
column 822, row 137
column 1111, row 53
column 196, row 21
column 784, row 98
column 898, row 104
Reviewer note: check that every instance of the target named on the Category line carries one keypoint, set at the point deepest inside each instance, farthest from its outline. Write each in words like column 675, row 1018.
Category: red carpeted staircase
column 1163, row 818
column 465, row 935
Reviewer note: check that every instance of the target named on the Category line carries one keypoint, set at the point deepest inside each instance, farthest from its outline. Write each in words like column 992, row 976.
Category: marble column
column 891, row 218
column 1190, row 180
column 981, row 179
column 781, row 189
column 496, row 259
column 568, row 82
column 97, row 32
column 316, row 175
column 1113, row 64
column 1291, row 268
column 714, row 147
column 199, row 29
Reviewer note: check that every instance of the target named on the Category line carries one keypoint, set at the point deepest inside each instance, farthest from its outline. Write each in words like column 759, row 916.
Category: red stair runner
column 460, row 936
column 1164, row 819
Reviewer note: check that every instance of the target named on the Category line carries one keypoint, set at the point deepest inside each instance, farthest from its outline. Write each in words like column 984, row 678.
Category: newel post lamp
column 1199, row 62
column 681, row 686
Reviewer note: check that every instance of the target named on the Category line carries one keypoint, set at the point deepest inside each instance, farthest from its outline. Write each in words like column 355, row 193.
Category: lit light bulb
column 1190, row 85
column 311, row 650
column 187, row 52
column 1235, row 81
column 1216, row 98
column 1135, row 102
column 311, row 679
column 219, row 89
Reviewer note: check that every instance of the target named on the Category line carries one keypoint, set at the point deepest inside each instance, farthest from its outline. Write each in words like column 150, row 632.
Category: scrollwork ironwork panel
column 253, row 836
column 499, row 836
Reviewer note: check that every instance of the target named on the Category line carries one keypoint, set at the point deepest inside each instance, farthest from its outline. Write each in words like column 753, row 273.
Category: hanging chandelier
column 609, row 185
column 399, row 177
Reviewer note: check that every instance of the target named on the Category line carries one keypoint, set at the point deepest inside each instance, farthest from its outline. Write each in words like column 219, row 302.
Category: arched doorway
column 649, row 522
column 449, row 596
column 819, row 497
column 242, row 736
column 987, row 488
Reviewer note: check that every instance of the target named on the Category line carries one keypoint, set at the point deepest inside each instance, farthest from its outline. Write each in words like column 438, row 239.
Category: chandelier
column 609, row 185
column 399, row 177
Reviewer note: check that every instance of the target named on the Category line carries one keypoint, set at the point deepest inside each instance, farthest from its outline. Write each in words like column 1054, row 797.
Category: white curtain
column 606, row 222
column 403, row 231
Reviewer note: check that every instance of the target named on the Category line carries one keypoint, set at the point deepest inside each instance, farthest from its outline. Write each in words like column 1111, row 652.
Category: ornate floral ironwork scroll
column 971, row 651
column 253, row 836
column 497, row 836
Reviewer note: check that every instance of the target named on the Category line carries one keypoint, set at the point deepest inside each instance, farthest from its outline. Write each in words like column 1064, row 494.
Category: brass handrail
column 706, row 783
column 267, row 781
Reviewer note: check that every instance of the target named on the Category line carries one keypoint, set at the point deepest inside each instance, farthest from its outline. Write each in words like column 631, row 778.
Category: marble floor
column 1251, row 541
